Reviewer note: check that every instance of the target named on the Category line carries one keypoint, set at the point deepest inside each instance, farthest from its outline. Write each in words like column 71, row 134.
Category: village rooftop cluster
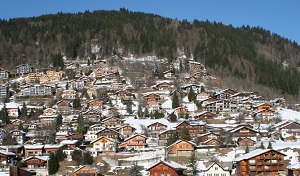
column 98, row 109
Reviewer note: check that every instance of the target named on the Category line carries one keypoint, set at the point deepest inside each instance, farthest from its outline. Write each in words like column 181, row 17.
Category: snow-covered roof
column 253, row 154
column 4, row 152
column 45, row 158
column 192, row 143
column 293, row 166
column 171, row 164
column 33, row 146
column 138, row 123
column 69, row 142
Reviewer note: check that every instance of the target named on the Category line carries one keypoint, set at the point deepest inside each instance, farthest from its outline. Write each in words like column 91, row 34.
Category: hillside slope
column 250, row 54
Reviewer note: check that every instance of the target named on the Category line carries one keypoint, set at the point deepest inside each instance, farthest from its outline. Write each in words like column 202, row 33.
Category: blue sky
column 281, row 17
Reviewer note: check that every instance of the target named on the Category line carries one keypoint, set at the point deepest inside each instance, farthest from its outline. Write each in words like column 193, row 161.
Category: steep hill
column 250, row 54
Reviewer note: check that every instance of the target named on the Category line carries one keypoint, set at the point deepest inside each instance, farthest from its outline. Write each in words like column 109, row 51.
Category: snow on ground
column 278, row 145
column 137, row 123
column 288, row 114
column 230, row 155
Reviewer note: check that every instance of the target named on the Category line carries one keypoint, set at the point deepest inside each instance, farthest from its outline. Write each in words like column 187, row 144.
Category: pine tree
column 262, row 146
column 24, row 110
column 193, row 164
column 202, row 89
column 87, row 158
column 80, row 122
column 129, row 107
column 175, row 101
column 184, row 134
column 8, row 140
column 173, row 118
column 135, row 170
column 247, row 149
column 77, row 156
column 270, row 145
column 140, row 111
column 146, row 112
column 191, row 95
column 4, row 115
column 60, row 155
column 53, row 164
column 173, row 138
column 58, row 121
column 76, row 103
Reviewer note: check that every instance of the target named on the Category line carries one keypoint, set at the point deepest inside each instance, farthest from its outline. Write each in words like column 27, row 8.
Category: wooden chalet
column 167, row 168
column 291, row 129
column 204, row 137
column 135, row 142
column 181, row 147
column 48, row 148
column 34, row 162
column 225, row 94
column 202, row 96
column 246, row 142
column 125, row 95
column 95, row 104
column 152, row 97
column 126, row 130
column 109, row 133
column 92, row 115
column 205, row 115
column 71, row 143
column 163, row 86
column 113, row 122
column 156, row 127
column 86, row 171
column 32, row 150
column 260, row 162
column 64, row 107
column 215, row 169
column 195, row 128
column 242, row 132
column 104, row 144
column 7, row 158
column 164, row 136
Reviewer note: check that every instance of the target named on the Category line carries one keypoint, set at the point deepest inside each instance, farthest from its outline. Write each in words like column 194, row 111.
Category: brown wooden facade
column 181, row 147
column 195, row 128
column 136, row 142
column 266, row 162
column 86, row 171
column 166, row 169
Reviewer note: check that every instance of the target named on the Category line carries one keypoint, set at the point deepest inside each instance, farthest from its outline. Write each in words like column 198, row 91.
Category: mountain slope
column 250, row 54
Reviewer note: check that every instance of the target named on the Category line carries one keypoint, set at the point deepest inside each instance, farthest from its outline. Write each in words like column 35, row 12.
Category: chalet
column 182, row 111
column 152, row 97
column 24, row 69
column 18, row 136
column 153, row 106
column 16, row 149
column 92, row 115
column 109, row 133
column 290, row 129
column 204, row 115
column 202, row 96
column 126, row 130
column 205, row 137
column 63, row 107
column 7, row 158
column 33, row 77
column 167, row 168
column 69, row 94
column 264, row 114
column 260, row 161
column 125, row 95
column 32, row 150
column 99, row 73
column 181, row 147
column 113, row 122
column 12, row 109
column 169, row 74
column 104, row 144
column 225, row 94
column 34, row 162
column 246, row 142
column 4, row 90
column 195, row 65
column 92, row 91
column 242, row 132
column 135, row 142
column 195, row 128
column 208, row 101
column 293, row 169
column 164, row 136
column 156, row 127
column 48, row 117
column 91, row 132
column 95, row 104
column 48, row 148
column 4, row 73
column 221, row 106
column 61, row 135
column 196, row 88
column 71, row 143
column 163, row 86
column 216, row 169
column 247, row 105
column 86, row 171
column 262, row 106
column 212, row 142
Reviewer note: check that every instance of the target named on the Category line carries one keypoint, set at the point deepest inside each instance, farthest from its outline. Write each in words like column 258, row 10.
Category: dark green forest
column 248, row 53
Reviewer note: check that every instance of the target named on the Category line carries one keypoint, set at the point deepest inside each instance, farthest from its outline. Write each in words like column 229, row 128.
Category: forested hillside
column 250, row 54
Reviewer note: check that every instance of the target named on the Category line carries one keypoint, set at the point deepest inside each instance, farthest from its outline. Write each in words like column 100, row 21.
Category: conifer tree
column 53, row 164
column 175, row 101
column 80, row 122
column 60, row 155
column 262, row 146
column 193, row 164
column 270, row 145
column 184, row 134
column 247, row 149
column 173, row 117
column 4, row 115
column 77, row 156
column 140, row 111
column 58, row 121
column 173, row 138
column 87, row 158
column 191, row 95
column 24, row 110
column 135, row 170
column 146, row 112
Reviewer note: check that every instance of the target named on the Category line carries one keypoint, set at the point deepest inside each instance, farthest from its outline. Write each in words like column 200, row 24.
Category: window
column 216, row 168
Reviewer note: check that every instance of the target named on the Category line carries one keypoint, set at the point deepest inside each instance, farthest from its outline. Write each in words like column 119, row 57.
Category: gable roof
column 113, row 140
column 134, row 136
column 190, row 142
column 172, row 164
column 254, row 153
column 44, row 158
column 191, row 123
column 81, row 167
column 157, row 123
column 216, row 163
